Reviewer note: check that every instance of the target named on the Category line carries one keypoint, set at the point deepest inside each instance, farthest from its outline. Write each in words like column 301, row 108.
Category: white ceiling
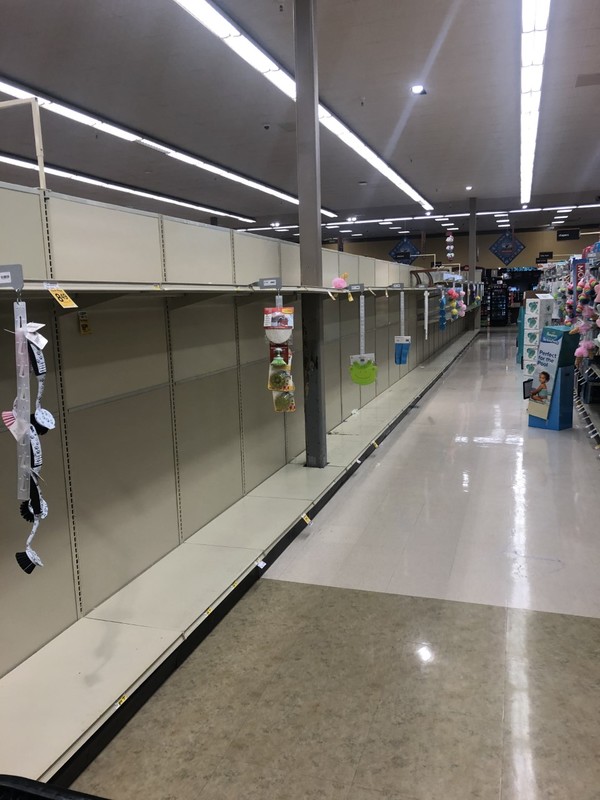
column 146, row 65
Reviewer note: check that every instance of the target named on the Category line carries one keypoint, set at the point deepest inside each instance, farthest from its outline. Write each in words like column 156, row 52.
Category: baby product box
column 538, row 311
column 532, row 338
column 530, row 368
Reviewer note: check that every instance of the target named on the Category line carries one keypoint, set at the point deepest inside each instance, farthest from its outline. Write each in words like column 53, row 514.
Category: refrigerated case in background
column 498, row 305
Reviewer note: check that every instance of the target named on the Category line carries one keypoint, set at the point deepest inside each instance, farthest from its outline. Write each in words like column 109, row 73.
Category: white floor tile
column 468, row 502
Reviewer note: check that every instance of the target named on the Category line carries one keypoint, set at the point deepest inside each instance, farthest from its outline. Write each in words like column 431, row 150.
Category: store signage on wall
column 567, row 233
column 405, row 251
column 507, row 247
column 546, row 254
column 541, row 261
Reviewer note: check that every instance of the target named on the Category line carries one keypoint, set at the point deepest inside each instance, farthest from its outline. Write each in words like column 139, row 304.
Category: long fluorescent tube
column 115, row 187
column 534, row 35
column 136, row 138
column 217, row 23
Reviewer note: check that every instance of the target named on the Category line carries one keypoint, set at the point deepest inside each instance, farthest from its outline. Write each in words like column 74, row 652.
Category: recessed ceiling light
column 525, row 205
column 418, row 88
column 350, row 219
column 275, row 224
column 468, row 188
column 428, row 213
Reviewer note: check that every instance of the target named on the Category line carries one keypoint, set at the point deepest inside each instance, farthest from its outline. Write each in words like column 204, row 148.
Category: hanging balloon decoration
column 450, row 247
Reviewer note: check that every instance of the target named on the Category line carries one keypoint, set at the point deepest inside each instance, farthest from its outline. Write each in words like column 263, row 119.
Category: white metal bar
column 402, row 315
column 362, row 323
column 39, row 145
column 426, row 315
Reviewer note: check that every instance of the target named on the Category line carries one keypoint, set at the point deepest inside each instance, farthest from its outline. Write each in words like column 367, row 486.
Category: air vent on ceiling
column 591, row 79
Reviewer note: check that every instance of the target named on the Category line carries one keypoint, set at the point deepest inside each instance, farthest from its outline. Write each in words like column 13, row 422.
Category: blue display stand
column 561, row 404
column 521, row 336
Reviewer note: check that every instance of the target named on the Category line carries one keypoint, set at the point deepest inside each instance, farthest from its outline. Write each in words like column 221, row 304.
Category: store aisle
column 465, row 502
column 328, row 691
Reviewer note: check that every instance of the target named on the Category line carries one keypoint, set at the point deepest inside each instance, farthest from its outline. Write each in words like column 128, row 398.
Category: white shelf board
column 297, row 482
column 254, row 522
column 177, row 590
column 51, row 700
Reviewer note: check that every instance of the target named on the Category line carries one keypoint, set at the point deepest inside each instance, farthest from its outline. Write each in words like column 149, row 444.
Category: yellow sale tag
column 306, row 519
column 62, row 298
column 375, row 444
column 209, row 610
column 121, row 700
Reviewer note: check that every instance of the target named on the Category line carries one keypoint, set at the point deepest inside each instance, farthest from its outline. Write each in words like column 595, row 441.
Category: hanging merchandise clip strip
column 29, row 344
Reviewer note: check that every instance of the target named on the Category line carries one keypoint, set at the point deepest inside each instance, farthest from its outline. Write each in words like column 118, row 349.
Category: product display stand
column 561, row 407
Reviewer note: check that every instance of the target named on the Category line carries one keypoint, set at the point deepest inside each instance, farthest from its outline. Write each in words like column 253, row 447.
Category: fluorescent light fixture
column 398, row 230
column 218, row 24
column 385, row 222
column 564, row 208
column 485, row 213
column 561, row 216
column 135, row 138
column 398, row 219
column 115, row 187
column 505, row 225
column 452, row 229
column 447, row 224
column 348, row 230
column 592, row 205
column 441, row 219
column 523, row 210
column 535, row 14
column 282, row 230
column 357, row 234
column 558, row 222
column 456, row 216
column 351, row 140
column 330, row 227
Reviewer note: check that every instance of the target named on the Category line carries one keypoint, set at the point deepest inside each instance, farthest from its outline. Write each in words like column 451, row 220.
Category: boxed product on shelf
column 532, row 338
column 530, row 367
column 530, row 353
column 538, row 311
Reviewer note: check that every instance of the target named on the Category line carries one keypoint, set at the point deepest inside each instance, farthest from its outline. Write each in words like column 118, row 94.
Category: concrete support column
column 309, row 215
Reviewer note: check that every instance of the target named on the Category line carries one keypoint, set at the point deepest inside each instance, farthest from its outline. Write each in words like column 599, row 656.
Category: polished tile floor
column 435, row 634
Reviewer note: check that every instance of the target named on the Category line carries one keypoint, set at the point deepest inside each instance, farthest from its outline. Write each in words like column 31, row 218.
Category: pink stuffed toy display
column 341, row 282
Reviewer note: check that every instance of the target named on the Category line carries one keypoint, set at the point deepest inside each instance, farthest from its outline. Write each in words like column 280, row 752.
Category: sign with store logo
column 567, row 233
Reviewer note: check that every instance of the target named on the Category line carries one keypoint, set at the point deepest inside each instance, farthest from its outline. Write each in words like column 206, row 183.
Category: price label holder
column 11, row 275
column 61, row 297
column 269, row 283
